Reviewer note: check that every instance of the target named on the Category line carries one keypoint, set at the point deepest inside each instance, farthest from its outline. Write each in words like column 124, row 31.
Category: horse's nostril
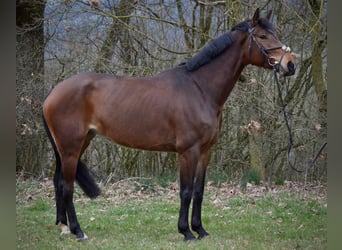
column 291, row 67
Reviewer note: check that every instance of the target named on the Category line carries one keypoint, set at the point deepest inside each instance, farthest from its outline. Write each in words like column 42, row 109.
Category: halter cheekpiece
column 271, row 60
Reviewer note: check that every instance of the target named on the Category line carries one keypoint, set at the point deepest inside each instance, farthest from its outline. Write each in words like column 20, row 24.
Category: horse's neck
column 218, row 77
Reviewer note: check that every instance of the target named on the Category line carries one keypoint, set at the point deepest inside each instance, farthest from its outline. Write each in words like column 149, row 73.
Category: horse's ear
column 269, row 15
column 256, row 17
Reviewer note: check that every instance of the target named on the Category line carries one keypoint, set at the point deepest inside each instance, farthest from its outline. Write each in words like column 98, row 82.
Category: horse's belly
column 138, row 134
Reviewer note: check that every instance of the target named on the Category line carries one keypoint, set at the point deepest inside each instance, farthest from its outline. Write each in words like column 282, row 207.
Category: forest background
column 57, row 39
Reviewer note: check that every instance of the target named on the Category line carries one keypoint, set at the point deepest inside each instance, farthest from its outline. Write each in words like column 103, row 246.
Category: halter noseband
column 271, row 60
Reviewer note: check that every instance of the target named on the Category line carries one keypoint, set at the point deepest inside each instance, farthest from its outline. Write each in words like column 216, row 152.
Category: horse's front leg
column 187, row 166
column 196, row 220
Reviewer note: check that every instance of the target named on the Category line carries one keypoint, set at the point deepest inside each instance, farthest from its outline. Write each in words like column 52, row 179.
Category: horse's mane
column 210, row 51
column 220, row 44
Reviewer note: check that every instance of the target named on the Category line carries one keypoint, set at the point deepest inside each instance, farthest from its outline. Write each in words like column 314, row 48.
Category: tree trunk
column 29, row 82
column 188, row 33
column 116, row 30
column 30, row 48
column 318, row 41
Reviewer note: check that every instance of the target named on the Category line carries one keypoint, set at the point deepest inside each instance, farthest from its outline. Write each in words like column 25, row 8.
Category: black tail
column 58, row 158
column 86, row 181
column 83, row 178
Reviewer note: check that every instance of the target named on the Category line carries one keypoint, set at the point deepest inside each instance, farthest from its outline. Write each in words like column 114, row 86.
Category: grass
column 126, row 217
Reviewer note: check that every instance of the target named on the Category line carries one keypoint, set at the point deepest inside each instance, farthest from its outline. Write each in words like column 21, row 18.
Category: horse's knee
column 185, row 194
column 198, row 195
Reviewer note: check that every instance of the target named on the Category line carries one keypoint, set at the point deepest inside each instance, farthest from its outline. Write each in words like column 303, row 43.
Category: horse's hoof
column 82, row 238
column 189, row 237
column 204, row 235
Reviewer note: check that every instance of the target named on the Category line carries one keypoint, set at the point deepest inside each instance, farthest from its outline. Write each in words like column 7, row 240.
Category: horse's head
column 264, row 48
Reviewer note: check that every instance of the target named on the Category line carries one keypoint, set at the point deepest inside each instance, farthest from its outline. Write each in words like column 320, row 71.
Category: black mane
column 218, row 45
column 243, row 26
column 210, row 51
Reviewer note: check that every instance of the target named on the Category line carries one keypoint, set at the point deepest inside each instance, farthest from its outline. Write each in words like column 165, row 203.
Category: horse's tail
column 83, row 177
column 86, row 181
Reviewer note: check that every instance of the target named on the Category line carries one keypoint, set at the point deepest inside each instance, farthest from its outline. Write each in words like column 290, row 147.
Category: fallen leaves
column 132, row 188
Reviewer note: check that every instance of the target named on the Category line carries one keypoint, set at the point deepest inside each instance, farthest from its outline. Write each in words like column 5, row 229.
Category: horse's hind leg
column 70, row 145
column 69, row 167
column 70, row 161
column 61, row 217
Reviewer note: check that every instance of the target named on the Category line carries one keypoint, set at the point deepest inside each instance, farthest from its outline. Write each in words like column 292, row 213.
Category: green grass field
column 136, row 215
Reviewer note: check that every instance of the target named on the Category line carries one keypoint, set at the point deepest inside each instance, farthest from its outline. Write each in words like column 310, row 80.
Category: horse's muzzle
column 291, row 68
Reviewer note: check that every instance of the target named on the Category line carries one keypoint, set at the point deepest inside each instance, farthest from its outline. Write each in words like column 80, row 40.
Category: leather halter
column 271, row 60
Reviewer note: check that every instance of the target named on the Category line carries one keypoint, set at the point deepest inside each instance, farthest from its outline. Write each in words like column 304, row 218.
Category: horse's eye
column 263, row 37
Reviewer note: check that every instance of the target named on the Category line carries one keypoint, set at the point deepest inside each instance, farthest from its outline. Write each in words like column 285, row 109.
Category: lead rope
column 290, row 147
column 274, row 65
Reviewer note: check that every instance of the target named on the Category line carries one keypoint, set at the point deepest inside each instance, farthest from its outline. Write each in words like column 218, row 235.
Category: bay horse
column 178, row 110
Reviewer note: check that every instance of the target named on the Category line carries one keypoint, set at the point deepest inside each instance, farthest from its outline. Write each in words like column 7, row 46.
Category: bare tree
column 29, row 83
column 117, row 31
